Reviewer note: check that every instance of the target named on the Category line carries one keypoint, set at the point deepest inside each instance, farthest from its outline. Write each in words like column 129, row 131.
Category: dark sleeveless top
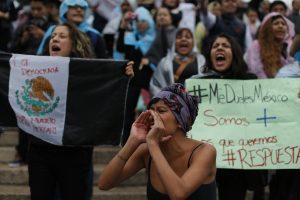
column 204, row 192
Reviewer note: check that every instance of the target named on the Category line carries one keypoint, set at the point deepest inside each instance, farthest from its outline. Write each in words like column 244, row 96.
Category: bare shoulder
column 204, row 159
column 204, row 145
column 206, row 149
column 209, row 150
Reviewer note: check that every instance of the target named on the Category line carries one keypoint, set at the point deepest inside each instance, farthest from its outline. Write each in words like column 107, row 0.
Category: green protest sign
column 254, row 124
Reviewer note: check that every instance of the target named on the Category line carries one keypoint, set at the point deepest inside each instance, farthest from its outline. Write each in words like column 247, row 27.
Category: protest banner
column 254, row 124
column 64, row 101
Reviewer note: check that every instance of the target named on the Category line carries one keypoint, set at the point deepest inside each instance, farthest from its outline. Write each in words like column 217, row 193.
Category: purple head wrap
column 183, row 105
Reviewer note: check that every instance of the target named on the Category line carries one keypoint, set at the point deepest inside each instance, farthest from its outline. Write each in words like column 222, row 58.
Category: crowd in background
column 170, row 41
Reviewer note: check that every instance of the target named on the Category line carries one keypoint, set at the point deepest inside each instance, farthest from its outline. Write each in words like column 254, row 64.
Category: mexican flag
column 64, row 101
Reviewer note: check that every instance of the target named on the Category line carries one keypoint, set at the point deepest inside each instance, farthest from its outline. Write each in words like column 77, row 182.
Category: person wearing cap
column 74, row 11
column 178, row 167
column 278, row 6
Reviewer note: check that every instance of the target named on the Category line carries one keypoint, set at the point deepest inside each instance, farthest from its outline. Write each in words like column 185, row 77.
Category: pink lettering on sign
column 263, row 153
column 45, row 130
column 258, row 141
column 24, row 62
column 23, row 120
column 263, row 157
column 226, row 143
column 38, row 120
column 229, row 157
column 31, row 72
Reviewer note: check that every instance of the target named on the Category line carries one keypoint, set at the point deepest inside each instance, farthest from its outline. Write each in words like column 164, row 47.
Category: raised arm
column 130, row 159
column 206, row 16
column 202, row 167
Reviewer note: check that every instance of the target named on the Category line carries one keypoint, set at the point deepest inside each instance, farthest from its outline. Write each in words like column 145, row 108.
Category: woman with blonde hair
column 270, row 51
column 66, row 168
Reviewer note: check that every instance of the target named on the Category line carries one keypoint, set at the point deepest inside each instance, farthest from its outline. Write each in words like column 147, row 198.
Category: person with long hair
column 270, row 51
column 81, row 46
column 224, row 60
column 66, row 167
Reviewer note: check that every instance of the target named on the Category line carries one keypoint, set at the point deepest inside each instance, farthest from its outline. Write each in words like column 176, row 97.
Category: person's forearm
column 112, row 173
column 170, row 180
column 208, row 20
column 120, row 41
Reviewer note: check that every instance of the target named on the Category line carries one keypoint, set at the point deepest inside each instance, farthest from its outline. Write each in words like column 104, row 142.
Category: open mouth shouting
column 220, row 59
column 221, row 54
column 184, row 48
column 55, row 50
column 60, row 43
column 184, row 42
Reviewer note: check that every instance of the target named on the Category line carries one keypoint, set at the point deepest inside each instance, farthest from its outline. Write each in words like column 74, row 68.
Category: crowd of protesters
column 170, row 41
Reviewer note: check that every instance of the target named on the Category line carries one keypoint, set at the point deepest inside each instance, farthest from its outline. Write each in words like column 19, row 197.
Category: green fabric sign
column 254, row 124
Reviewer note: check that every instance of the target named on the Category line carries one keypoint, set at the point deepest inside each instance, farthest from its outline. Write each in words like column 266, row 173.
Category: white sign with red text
column 38, row 92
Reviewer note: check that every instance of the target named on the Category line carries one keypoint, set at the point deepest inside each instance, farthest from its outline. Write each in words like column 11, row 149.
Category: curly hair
column 270, row 48
column 81, row 43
